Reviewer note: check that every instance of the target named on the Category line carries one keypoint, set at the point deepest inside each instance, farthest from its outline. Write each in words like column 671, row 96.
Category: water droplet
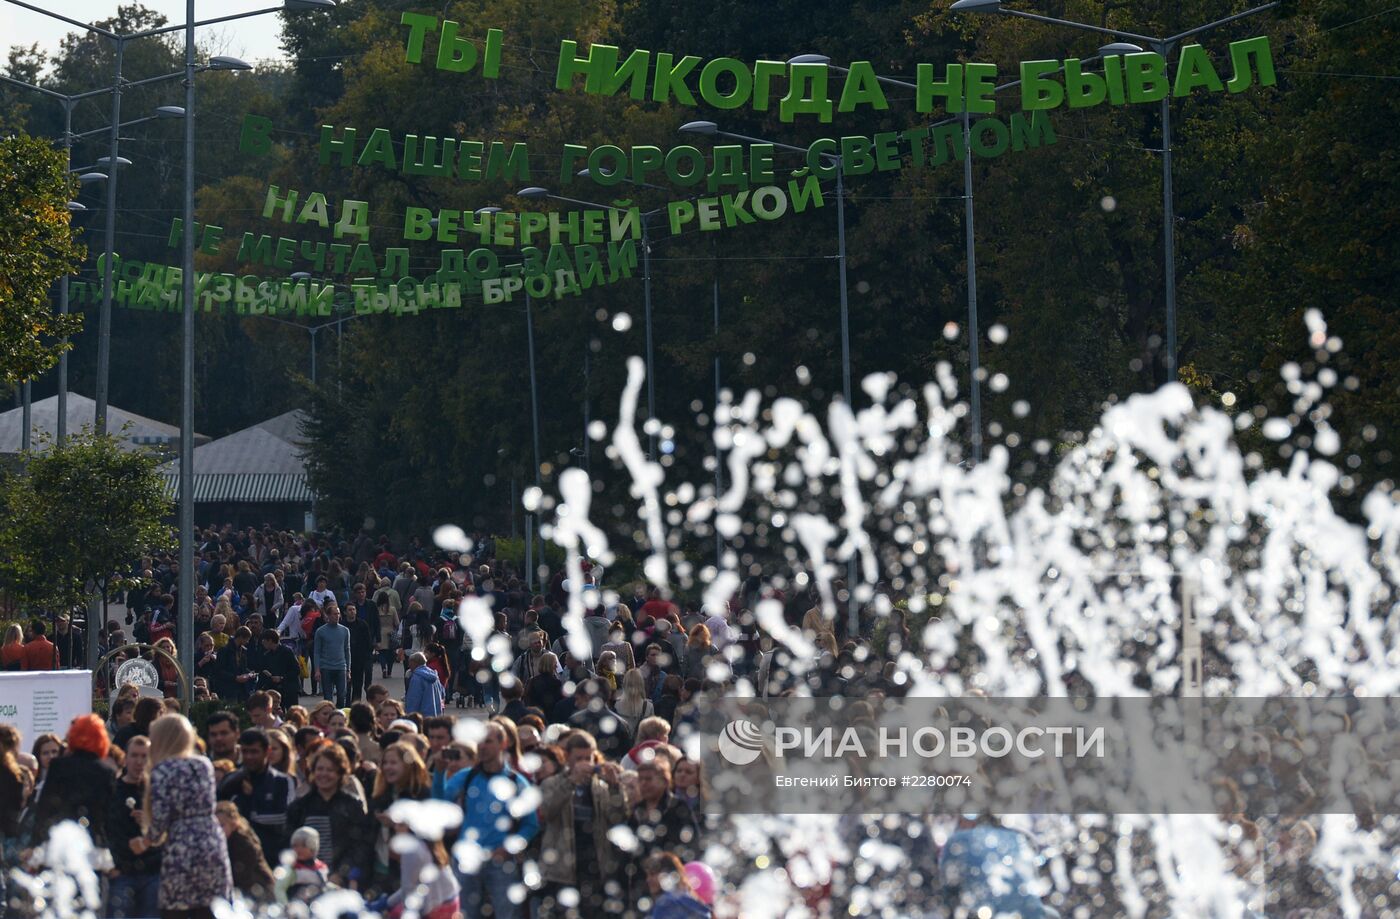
column 452, row 538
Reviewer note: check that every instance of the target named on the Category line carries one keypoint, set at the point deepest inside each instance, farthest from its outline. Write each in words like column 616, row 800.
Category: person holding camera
column 577, row 808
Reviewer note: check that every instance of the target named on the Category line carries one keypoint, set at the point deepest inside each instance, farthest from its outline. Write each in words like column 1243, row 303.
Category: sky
column 252, row 39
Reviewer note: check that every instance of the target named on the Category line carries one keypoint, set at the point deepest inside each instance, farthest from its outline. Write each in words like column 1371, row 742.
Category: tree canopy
column 77, row 516
column 36, row 248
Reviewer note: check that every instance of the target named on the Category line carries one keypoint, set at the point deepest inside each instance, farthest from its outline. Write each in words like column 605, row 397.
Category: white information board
column 43, row 702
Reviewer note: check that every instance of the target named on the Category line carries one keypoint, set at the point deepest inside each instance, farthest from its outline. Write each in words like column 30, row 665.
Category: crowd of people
column 290, row 807
column 280, row 795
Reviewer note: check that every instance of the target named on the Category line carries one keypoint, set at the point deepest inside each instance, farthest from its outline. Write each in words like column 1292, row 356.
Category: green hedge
column 513, row 551
column 200, row 711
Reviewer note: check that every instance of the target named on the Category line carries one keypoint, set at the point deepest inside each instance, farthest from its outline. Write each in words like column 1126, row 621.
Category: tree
column 36, row 247
column 76, row 515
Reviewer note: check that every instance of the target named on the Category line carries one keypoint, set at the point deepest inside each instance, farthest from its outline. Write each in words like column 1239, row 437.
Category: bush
column 513, row 551
column 200, row 712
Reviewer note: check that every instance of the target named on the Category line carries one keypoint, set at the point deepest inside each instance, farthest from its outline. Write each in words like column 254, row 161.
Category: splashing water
column 1074, row 587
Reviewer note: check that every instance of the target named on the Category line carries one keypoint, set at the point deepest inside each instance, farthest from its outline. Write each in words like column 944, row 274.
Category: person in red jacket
column 39, row 652
column 657, row 607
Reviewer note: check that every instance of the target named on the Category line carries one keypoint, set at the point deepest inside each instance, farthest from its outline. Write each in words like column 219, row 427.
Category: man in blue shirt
column 332, row 656
column 494, row 833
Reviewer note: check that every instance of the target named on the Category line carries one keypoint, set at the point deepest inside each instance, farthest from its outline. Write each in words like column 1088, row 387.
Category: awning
column 244, row 487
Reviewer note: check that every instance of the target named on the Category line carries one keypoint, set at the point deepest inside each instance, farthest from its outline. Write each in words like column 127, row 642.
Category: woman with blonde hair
column 814, row 622
column 179, row 814
column 321, row 715
column 166, row 666
column 402, row 777
column 12, row 652
column 632, row 704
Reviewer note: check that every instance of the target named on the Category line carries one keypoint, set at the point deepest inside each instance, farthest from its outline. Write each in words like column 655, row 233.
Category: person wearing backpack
column 478, row 794
column 310, row 621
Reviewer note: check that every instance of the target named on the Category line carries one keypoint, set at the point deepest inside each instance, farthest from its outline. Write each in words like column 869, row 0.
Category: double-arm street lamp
column 1163, row 46
column 69, row 101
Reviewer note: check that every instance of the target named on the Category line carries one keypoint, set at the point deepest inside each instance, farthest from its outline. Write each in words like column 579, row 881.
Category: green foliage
column 36, row 248
column 74, row 517
column 513, row 551
column 200, row 711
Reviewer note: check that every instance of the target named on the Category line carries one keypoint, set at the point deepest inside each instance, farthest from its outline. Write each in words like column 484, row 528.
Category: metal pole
column 841, row 256
column 514, row 502
column 62, row 420
column 651, row 376
column 104, row 324
column 534, row 430
column 313, row 356
column 186, row 619
column 1168, row 233
column 26, row 417
column 587, row 407
column 852, row 609
column 973, row 333
column 719, row 465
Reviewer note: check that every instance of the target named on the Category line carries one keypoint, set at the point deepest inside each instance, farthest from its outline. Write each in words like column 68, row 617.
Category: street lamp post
column 186, row 617
column 535, row 438
column 1163, row 46
column 186, row 583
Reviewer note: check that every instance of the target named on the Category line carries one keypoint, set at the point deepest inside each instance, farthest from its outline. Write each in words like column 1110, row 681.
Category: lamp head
column 533, row 191
column 107, row 160
column 488, row 209
column 810, row 59
column 300, row 275
column 976, row 6
column 76, row 206
column 1117, row 48
column 227, row 62
column 301, row 6
column 699, row 127
column 89, row 177
column 170, row 111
